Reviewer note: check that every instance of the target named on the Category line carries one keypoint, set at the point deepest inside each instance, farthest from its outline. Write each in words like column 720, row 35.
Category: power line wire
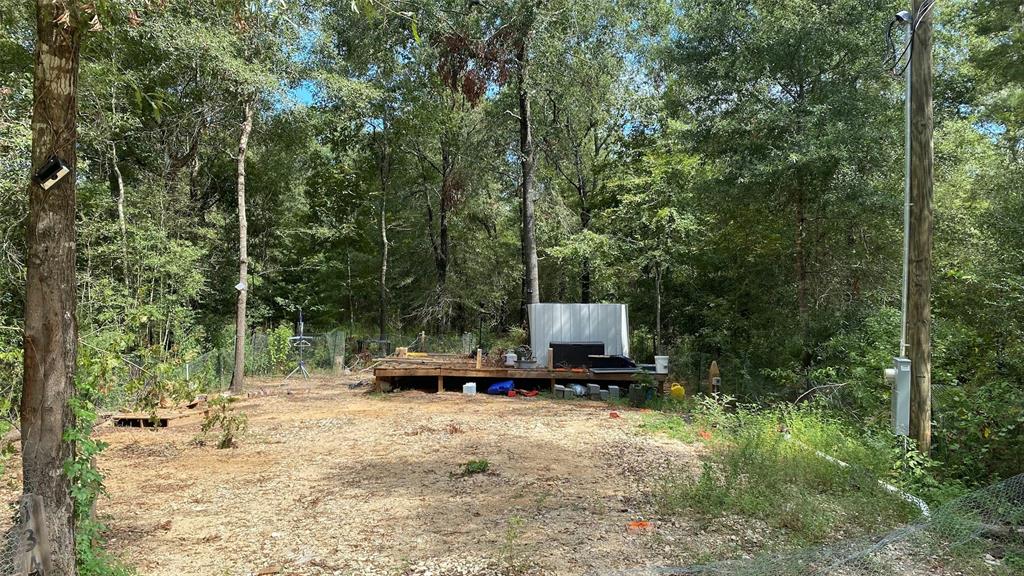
column 908, row 48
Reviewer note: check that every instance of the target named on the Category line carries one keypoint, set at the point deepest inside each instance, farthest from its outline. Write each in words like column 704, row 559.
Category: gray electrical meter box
column 899, row 378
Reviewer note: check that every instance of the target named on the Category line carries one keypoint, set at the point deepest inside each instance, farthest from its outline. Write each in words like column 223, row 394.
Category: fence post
column 32, row 557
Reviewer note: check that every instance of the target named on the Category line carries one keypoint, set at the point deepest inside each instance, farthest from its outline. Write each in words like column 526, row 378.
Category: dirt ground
column 330, row 480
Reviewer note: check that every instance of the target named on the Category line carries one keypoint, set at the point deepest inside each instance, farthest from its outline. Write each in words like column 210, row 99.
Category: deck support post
column 440, row 383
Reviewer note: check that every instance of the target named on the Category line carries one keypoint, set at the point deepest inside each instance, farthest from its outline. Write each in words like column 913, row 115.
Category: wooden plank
column 440, row 383
column 512, row 373
column 33, row 553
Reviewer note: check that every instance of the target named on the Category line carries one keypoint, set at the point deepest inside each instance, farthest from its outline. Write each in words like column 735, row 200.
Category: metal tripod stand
column 300, row 343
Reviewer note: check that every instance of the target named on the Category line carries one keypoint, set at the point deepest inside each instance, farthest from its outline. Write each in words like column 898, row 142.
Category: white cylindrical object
column 661, row 364
column 469, row 388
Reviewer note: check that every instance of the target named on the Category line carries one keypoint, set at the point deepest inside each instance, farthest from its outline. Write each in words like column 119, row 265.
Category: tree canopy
column 731, row 170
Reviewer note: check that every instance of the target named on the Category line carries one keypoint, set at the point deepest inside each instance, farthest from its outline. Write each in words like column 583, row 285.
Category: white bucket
column 661, row 364
column 469, row 388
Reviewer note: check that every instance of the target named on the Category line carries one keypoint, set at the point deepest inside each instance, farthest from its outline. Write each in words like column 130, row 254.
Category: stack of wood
column 403, row 357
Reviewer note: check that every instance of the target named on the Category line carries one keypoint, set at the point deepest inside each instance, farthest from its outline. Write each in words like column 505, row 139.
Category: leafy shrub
column 279, row 347
column 977, row 398
column 86, row 479
column 230, row 424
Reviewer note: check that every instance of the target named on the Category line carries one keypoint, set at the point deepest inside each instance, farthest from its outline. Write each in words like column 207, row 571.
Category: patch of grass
column 478, row 466
column 765, row 464
column 674, row 427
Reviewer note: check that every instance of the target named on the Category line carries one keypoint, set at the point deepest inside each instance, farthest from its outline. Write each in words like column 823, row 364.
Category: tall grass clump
column 769, row 464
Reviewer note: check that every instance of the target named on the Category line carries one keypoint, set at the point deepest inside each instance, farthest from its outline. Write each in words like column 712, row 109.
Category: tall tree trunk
column 385, row 184
column 803, row 309
column 237, row 378
column 442, row 226
column 919, row 314
column 585, row 273
column 118, row 182
column 382, row 317
column 801, row 261
column 531, row 280
column 440, row 243
column 51, row 331
column 658, row 271
column 351, row 297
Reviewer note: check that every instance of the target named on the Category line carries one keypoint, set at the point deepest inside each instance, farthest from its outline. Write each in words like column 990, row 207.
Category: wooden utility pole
column 238, row 376
column 920, row 250
column 51, row 330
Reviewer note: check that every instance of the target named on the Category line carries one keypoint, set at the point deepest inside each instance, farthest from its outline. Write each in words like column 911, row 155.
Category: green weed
column 767, row 465
column 513, row 558
column 479, row 466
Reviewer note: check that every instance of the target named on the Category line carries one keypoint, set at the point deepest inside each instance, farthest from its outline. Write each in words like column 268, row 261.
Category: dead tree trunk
column 531, row 281
column 51, row 331
column 238, row 375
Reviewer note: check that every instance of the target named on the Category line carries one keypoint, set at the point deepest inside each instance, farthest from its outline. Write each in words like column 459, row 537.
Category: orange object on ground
column 640, row 527
column 704, row 434
column 614, row 415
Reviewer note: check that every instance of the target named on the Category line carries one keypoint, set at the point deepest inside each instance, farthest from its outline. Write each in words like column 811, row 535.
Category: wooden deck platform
column 386, row 375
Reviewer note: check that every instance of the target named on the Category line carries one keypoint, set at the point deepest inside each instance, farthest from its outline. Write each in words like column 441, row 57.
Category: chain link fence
column 264, row 356
column 26, row 549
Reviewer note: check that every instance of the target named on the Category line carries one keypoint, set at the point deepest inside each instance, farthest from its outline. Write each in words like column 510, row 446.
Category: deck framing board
column 440, row 372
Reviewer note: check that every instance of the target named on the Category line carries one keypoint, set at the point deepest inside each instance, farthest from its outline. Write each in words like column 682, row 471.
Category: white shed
column 607, row 323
